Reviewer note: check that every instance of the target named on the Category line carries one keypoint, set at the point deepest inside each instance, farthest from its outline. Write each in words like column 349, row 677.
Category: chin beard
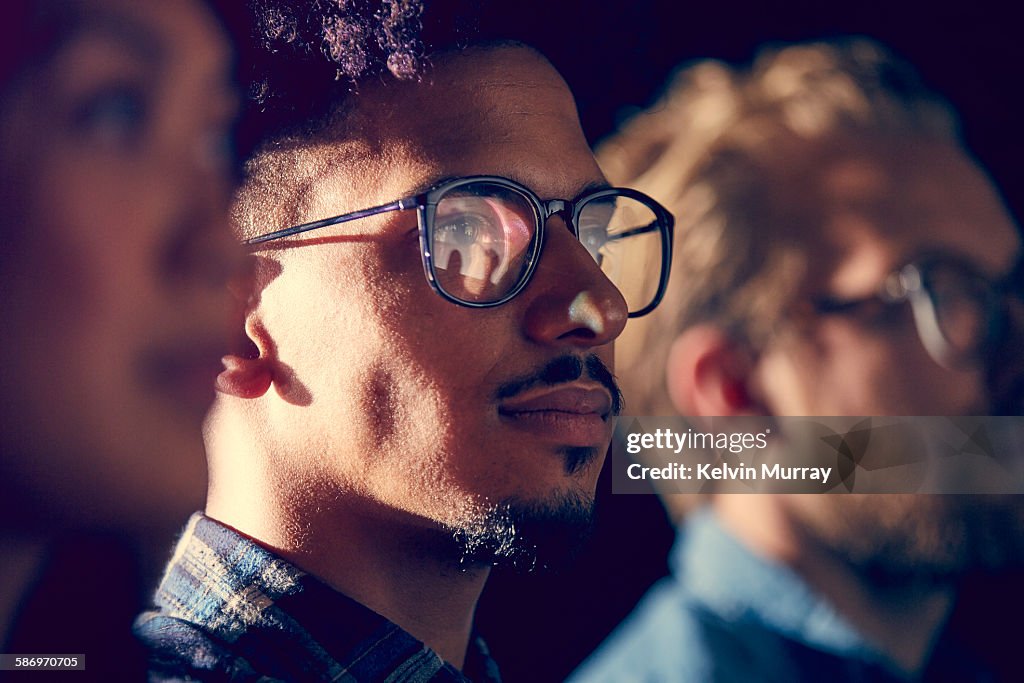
column 901, row 540
column 525, row 536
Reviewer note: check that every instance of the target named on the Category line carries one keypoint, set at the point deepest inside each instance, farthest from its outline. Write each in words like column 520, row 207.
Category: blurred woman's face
column 117, row 175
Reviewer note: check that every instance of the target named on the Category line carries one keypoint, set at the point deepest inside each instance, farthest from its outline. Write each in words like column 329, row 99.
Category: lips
column 569, row 415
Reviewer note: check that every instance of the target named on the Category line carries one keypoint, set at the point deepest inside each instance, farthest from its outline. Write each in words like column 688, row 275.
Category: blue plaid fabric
column 230, row 610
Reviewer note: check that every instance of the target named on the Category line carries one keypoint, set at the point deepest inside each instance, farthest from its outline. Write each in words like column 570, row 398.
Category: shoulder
column 670, row 636
column 661, row 640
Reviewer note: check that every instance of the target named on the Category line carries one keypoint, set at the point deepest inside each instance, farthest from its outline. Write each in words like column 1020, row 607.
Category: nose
column 570, row 301
column 1006, row 366
column 207, row 253
column 203, row 252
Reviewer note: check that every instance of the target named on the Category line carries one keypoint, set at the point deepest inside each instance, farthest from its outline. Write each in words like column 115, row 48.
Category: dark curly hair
column 301, row 61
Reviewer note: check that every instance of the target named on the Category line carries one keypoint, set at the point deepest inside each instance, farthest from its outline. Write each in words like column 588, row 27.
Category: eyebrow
column 429, row 185
column 142, row 43
column 128, row 33
column 592, row 186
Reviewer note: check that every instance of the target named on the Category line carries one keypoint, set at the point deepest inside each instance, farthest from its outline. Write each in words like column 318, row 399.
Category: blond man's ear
column 709, row 374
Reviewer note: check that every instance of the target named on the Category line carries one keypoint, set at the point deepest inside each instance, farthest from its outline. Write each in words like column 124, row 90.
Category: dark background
column 616, row 56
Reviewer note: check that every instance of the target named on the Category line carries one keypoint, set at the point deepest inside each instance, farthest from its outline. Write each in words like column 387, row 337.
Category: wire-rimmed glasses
column 482, row 236
column 959, row 312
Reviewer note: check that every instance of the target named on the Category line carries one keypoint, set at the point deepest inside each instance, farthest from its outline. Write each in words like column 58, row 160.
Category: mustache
column 563, row 370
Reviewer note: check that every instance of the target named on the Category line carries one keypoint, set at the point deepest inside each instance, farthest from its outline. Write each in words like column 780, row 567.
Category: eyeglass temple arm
column 650, row 227
column 400, row 205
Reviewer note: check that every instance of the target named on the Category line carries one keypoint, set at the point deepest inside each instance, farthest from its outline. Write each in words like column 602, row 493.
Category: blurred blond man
column 804, row 188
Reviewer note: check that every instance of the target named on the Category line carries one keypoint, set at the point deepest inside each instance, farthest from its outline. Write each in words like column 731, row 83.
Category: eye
column 460, row 230
column 869, row 312
column 831, row 305
column 114, row 115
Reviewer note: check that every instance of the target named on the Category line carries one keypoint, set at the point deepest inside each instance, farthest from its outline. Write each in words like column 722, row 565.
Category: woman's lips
column 569, row 415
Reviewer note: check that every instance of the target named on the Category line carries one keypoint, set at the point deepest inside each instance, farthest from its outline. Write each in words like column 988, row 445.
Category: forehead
column 500, row 111
column 863, row 207
column 182, row 30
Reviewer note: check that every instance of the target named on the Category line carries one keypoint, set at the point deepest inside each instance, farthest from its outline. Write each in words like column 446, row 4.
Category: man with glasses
column 423, row 386
column 837, row 254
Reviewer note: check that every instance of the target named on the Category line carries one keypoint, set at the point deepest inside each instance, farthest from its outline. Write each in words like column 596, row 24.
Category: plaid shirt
column 230, row 610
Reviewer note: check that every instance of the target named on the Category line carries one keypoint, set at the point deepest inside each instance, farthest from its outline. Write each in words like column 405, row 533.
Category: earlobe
column 708, row 374
column 244, row 377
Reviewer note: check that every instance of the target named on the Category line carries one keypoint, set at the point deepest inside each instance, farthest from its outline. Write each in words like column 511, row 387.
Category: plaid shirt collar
column 229, row 606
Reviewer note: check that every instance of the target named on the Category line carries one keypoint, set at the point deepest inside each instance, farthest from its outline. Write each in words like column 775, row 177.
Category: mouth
column 574, row 415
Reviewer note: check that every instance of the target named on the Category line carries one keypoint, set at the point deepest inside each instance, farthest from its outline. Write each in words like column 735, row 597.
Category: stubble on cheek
column 378, row 403
column 405, row 433
column 896, row 538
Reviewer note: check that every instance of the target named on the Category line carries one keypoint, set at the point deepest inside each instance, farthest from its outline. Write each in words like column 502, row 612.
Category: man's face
column 866, row 211
column 423, row 410
column 863, row 211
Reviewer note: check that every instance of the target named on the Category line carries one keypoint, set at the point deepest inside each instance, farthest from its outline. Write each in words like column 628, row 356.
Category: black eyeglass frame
column 426, row 203
column 909, row 283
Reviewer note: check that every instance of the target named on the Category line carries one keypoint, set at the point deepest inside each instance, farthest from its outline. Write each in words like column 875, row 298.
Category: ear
column 709, row 374
column 248, row 366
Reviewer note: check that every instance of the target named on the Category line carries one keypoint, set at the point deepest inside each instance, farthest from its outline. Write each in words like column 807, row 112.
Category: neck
column 400, row 568
column 902, row 621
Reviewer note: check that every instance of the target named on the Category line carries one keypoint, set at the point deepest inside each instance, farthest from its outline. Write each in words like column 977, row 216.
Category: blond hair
column 703, row 151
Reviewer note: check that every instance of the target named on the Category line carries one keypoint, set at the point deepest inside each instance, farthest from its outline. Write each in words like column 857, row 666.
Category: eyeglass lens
column 962, row 306
column 483, row 242
column 622, row 235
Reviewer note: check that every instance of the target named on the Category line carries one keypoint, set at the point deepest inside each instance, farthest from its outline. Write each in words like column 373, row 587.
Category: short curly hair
column 705, row 149
column 301, row 61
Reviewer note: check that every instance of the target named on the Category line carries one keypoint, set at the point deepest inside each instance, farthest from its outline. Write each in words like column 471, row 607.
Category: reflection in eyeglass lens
column 962, row 305
column 481, row 241
column 483, row 236
column 622, row 235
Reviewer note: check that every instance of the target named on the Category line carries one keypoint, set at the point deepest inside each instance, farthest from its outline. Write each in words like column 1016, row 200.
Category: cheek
column 450, row 347
column 897, row 376
column 92, row 296
column 827, row 372
column 427, row 368
column 88, row 298
column 103, row 447
column 411, row 375
column 882, row 374
column 108, row 289
column 851, row 374
column 353, row 331
column 103, row 222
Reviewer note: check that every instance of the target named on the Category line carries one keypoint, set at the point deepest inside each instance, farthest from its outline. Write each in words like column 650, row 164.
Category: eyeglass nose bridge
column 562, row 207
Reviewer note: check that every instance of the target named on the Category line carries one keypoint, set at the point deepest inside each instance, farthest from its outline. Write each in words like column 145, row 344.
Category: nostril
column 580, row 333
